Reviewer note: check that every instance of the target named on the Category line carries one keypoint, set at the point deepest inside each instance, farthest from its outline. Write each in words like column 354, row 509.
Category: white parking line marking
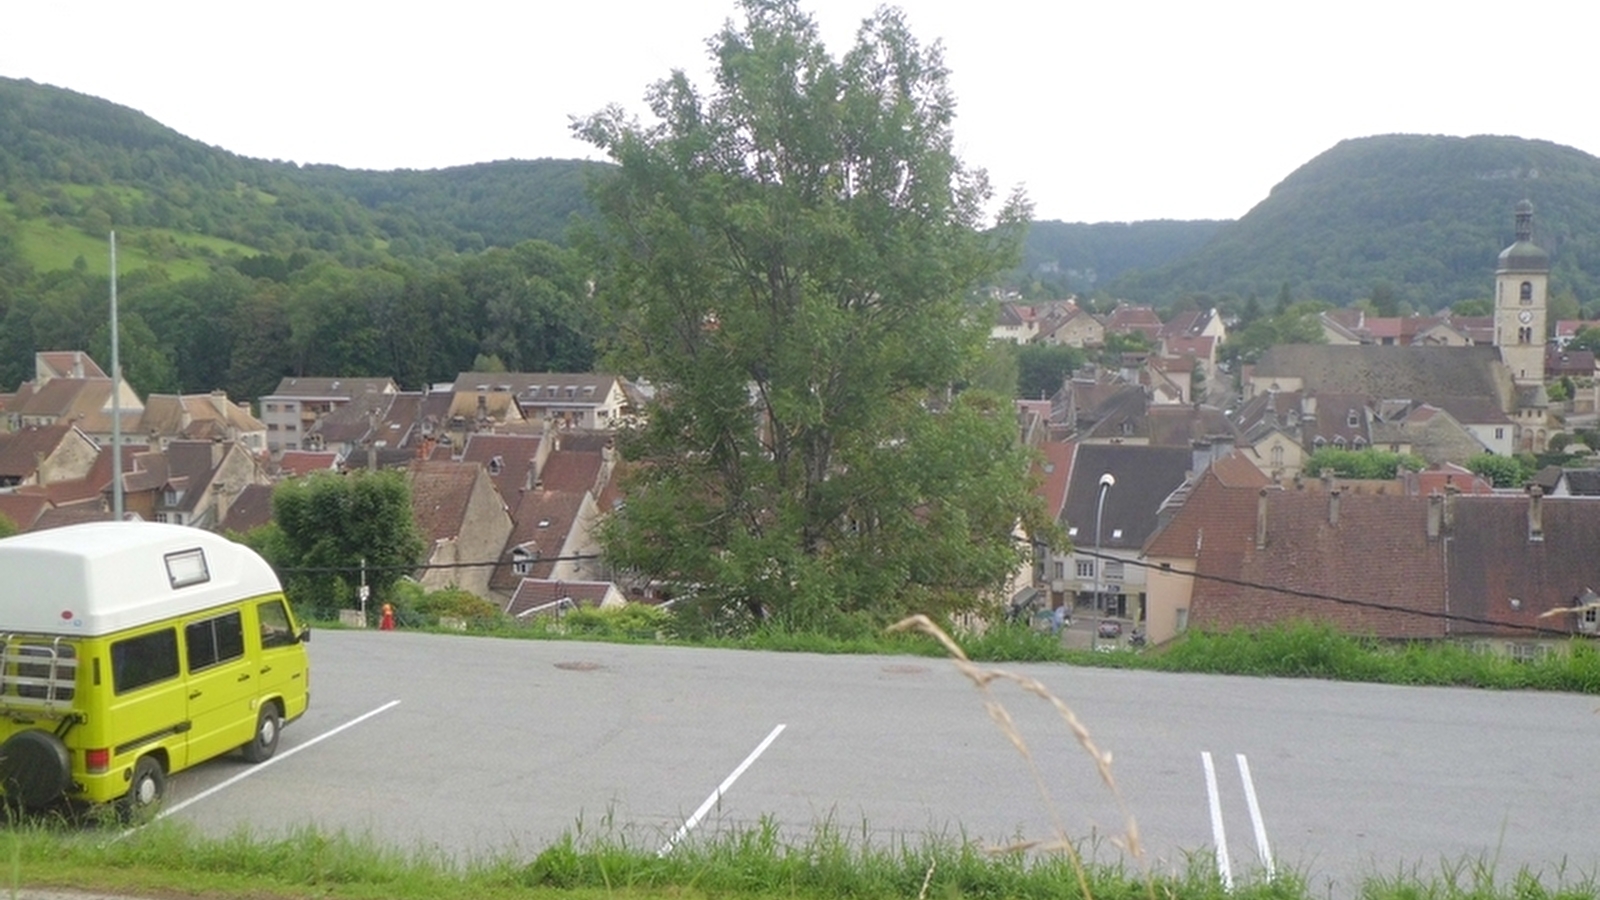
column 722, row 788
column 1219, row 834
column 1255, row 815
column 167, row 811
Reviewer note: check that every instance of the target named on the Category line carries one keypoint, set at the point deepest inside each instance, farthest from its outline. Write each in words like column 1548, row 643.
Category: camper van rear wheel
column 148, row 786
column 265, row 743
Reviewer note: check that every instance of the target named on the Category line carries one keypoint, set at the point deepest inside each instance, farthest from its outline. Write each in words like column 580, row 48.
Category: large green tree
column 327, row 528
column 789, row 259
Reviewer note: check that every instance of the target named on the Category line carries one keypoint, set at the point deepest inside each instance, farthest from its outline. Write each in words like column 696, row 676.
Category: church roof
column 1381, row 371
column 1524, row 255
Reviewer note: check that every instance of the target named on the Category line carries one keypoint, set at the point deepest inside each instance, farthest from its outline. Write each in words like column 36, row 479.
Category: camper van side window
column 143, row 660
column 275, row 630
column 214, row 641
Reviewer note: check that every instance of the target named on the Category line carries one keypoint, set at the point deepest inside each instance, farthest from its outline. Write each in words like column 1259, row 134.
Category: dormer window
column 522, row 561
column 497, row 465
column 1339, row 442
column 1352, row 419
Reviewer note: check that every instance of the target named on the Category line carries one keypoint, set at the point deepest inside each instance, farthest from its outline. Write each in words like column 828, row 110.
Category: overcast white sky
column 1103, row 111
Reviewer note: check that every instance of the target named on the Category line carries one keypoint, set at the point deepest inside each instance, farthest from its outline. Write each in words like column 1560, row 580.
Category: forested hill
column 90, row 163
column 235, row 272
column 1425, row 215
column 1077, row 257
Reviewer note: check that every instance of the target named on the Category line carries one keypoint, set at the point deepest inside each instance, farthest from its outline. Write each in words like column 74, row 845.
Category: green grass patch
column 50, row 244
column 170, row 858
column 1309, row 650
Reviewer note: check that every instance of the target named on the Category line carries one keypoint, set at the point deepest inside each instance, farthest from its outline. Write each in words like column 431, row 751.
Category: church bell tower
column 1521, row 288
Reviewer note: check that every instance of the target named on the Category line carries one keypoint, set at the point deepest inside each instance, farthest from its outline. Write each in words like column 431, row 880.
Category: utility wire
column 1331, row 598
column 1221, row 579
column 404, row 567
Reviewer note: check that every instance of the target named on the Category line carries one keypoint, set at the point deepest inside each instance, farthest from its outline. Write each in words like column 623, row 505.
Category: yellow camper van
column 132, row 650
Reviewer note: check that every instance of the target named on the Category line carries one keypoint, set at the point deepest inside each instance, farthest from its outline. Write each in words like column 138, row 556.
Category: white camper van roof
column 102, row 577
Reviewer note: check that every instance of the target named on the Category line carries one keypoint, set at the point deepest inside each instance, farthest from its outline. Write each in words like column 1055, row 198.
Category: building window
column 1113, row 570
column 1527, row 292
column 1085, row 568
column 1061, row 570
column 1499, row 434
column 1277, row 456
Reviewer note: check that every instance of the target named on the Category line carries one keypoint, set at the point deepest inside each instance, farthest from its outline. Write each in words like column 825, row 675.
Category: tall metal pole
column 1100, row 513
column 116, row 396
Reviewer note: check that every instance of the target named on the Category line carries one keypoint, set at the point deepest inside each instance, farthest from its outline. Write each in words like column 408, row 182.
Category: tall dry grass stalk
column 983, row 678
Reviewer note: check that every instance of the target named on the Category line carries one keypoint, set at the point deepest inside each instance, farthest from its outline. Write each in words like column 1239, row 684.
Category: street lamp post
column 1106, row 481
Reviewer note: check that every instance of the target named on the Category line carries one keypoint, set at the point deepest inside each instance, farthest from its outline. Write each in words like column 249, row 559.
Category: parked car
column 1110, row 628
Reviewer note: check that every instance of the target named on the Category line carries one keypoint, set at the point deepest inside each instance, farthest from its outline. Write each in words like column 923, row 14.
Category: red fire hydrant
column 386, row 621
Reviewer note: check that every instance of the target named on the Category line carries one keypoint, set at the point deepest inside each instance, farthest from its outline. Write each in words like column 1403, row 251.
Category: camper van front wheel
column 149, row 785
column 265, row 743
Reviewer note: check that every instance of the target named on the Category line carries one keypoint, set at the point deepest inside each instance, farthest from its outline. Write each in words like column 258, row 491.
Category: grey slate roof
column 1384, row 372
column 1145, row 476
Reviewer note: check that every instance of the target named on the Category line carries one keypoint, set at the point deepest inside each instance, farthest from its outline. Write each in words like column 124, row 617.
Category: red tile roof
column 1362, row 575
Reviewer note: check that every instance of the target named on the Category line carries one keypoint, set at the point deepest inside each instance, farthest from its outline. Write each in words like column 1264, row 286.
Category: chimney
column 1333, row 507
column 1435, row 515
column 1261, row 520
column 1535, row 513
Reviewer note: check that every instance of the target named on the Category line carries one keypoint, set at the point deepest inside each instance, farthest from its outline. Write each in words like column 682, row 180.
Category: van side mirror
column 304, row 636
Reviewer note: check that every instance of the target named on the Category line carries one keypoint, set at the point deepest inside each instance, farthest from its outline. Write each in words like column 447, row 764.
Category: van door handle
column 195, row 695
column 265, row 669
column 244, row 676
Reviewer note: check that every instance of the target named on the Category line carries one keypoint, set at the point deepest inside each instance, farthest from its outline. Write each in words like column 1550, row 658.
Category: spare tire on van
column 35, row 768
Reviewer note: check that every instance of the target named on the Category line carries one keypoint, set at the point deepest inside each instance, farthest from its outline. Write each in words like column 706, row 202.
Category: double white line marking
column 1219, row 834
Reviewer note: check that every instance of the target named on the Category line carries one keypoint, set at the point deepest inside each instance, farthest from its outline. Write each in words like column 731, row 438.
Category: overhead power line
column 1333, row 598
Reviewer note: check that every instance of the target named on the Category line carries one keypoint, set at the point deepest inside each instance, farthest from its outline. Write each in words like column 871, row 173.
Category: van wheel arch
column 147, row 786
column 269, row 725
